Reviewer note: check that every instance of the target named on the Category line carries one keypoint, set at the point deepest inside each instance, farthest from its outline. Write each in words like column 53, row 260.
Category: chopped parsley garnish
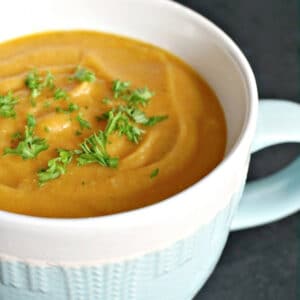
column 125, row 127
column 31, row 145
column 60, row 94
column 61, row 110
column 135, row 114
column 133, row 133
column 125, row 119
column 16, row 136
column 104, row 116
column 106, row 101
column 120, row 88
column 48, row 81
column 154, row 173
column 120, row 123
column 84, row 124
column 56, row 166
column 140, row 117
column 121, row 117
column 83, row 74
column 112, row 121
column 154, row 120
column 36, row 84
column 139, row 96
column 7, row 105
column 47, row 104
column 94, row 151
column 71, row 107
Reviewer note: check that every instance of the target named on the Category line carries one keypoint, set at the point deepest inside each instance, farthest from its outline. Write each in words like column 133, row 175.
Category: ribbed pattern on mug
column 119, row 281
column 38, row 279
column 113, row 282
column 19, row 275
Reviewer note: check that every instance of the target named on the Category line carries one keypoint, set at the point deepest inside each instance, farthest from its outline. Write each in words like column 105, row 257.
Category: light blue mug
column 168, row 250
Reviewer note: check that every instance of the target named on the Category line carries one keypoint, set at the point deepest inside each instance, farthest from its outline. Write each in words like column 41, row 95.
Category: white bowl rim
column 118, row 219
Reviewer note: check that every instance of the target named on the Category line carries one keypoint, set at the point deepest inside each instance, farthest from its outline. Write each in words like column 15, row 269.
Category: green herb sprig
column 56, row 166
column 94, row 151
column 154, row 173
column 31, row 145
column 84, row 124
column 36, row 84
column 140, row 117
column 83, row 74
column 123, row 126
column 7, row 105
column 60, row 94
column 124, row 120
column 71, row 108
column 120, row 88
column 140, row 96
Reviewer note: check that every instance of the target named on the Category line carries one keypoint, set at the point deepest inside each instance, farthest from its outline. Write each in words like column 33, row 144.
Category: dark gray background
column 261, row 263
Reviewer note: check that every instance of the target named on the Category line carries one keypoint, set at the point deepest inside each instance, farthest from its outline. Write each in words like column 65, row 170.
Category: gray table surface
column 261, row 263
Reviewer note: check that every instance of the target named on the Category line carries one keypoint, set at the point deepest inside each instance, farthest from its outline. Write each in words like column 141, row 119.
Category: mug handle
column 278, row 195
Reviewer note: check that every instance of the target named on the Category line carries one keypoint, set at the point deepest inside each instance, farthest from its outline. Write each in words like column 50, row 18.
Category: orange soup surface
column 166, row 127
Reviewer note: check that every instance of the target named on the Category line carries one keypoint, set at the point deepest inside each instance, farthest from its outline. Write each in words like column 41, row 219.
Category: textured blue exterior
column 175, row 273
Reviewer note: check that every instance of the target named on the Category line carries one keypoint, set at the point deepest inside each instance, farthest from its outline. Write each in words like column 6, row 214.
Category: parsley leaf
column 47, row 104
column 121, row 119
column 33, row 82
column 135, row 114
column 106, row 101
column 120, row 87
column 120, row 123
column 104, row 116
column 60, row 94
column 7, row 105
column 83, row 123
column 16, row 136
column 31, row 122
column 140, row 117
column 56, row 166
column 30, row 146
column 83, row 74
column 48, row 81
column 154, row 120
column 133, row 133
column 94, row 151
column 36, row 84
column 71, row 107
column 139, row 96
column 112, row 123
column 154, row 173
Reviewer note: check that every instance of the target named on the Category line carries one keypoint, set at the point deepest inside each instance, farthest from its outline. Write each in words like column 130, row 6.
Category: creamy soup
column 94, row 124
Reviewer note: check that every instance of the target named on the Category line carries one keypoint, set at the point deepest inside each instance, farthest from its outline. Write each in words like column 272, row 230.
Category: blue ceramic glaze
column 276, row 196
